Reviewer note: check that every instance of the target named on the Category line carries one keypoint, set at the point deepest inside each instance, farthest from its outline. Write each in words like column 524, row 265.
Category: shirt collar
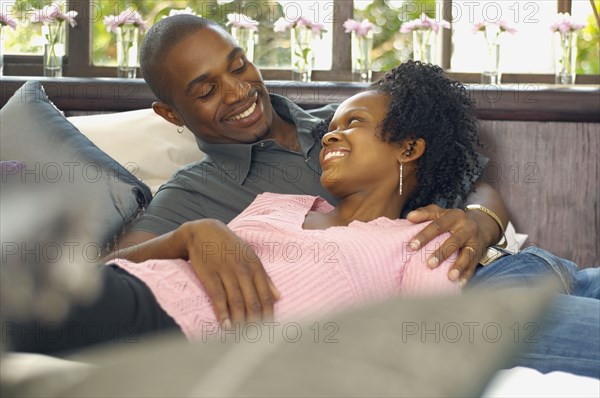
column 235, row 159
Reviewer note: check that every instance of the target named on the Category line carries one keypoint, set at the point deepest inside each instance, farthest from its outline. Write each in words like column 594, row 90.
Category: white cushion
column 146, row 144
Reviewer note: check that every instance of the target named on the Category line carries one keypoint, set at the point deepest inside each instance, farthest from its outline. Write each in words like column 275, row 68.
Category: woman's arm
column 227, row 267
column 471, row 231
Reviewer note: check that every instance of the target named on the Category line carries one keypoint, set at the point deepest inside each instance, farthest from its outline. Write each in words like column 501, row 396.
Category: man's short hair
column 158, row 41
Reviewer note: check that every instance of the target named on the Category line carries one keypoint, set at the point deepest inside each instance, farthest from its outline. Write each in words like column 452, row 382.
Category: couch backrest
column 543, row 143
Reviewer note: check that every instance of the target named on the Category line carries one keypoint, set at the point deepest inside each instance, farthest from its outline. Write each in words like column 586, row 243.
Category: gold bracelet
column 503, row 242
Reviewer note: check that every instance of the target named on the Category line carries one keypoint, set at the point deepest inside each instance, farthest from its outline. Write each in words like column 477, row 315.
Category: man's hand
column 466, row 236
column 228, row 268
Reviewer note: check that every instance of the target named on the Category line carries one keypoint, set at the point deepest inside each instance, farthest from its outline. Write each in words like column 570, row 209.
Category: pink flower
column 317, row 28
column 565, row 23
column 361, row 29
column 241, row 21
column 127, row 17
column 7, row 20
column 478, row 27
column 505, row 27
column 282, row 25
column 52, row 13
column 303, row 22
column 424, row 22
column 501, row 25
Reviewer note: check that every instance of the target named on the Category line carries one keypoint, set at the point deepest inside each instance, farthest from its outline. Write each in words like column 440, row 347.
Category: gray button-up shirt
column 229, row 178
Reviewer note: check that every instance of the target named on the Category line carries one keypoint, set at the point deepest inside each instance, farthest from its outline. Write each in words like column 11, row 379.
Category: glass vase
column 565, row 57
column 362, row 48
column 54, row 48
column 1, row 54
column 302, row 54
column 127, row 51
column 491, row 72
column 245, row 39
column 424, row 45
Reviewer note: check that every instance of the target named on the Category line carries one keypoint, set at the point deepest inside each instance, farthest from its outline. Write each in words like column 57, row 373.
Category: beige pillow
column 143, row 142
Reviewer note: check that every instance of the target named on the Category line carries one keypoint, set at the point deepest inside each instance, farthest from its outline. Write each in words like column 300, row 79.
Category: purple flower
column 303, row 22
column 478, row 27
column 282, row 25
column 7, row 20
column 127, row 17
column 53, row 13
column 505, row 27
column 424, row 22
column 241, row 21
column 361, row 29
column 317, row 28
column 565, row 23
column 501, row 25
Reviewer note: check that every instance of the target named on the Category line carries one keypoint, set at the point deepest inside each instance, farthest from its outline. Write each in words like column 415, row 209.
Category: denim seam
column 551, row 260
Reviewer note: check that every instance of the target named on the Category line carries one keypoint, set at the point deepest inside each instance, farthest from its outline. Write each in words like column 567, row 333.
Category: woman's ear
column 411, row 150
column 167, row 112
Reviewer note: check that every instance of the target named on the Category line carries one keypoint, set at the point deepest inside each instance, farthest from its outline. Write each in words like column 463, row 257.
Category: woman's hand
column 232, row 275
column 468, row 236
column 228, row 268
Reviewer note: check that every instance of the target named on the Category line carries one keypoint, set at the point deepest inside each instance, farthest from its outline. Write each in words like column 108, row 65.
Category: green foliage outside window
column 588, row 46
column 269, row 51
column 272, row 50
column 27, row 39
column 390, row 47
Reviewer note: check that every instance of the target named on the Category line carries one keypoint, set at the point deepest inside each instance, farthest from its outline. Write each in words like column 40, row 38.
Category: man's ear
column 168, row 113
column 411, row 150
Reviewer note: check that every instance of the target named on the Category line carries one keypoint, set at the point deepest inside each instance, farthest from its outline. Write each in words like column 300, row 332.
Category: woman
column 378, row 159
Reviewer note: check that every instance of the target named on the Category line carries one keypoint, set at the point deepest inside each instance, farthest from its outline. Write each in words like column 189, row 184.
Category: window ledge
column 530, row 101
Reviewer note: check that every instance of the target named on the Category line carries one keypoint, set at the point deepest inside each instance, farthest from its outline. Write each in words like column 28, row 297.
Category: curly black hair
column 425, row 103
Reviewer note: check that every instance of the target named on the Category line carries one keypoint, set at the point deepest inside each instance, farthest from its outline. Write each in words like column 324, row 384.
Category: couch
column 542, row 142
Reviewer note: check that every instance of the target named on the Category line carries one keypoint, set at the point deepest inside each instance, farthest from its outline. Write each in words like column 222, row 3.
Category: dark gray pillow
column 104, row 194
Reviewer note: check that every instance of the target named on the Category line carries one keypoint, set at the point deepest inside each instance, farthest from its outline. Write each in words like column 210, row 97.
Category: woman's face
column 353, row 157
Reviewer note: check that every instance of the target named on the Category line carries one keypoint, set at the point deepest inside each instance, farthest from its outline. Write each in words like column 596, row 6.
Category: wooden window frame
column 78, row 62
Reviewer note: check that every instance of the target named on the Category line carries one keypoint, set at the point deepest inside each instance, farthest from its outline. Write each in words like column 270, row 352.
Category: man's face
column 216, row 92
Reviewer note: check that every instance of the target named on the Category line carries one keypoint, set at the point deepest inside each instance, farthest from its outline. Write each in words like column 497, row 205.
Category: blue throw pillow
column 55, row 154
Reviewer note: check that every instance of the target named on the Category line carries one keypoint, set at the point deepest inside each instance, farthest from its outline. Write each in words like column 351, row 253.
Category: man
column 255, row 143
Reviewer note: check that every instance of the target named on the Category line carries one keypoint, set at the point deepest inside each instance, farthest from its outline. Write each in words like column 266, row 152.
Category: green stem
column 52, row 39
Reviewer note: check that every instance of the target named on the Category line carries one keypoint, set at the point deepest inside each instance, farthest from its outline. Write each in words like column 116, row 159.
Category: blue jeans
column 569, row 336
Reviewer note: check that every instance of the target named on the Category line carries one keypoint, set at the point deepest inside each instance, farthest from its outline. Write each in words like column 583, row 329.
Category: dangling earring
column 401, row 170
column 180, row 129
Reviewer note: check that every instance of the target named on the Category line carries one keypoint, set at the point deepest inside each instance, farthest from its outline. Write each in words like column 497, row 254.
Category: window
column 272, row 50
column 27, row 38
column 527, row 55
column 531, row 20
column 587, row 45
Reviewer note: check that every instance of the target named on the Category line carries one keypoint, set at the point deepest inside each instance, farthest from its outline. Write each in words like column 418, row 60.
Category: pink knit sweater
column 316, row 271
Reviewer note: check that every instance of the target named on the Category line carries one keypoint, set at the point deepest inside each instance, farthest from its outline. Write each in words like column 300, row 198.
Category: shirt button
column 307, row 159
column 262, row 145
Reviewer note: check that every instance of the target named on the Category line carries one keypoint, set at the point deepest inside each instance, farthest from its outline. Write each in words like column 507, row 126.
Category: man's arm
column 472, row 232
column 130, row 239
